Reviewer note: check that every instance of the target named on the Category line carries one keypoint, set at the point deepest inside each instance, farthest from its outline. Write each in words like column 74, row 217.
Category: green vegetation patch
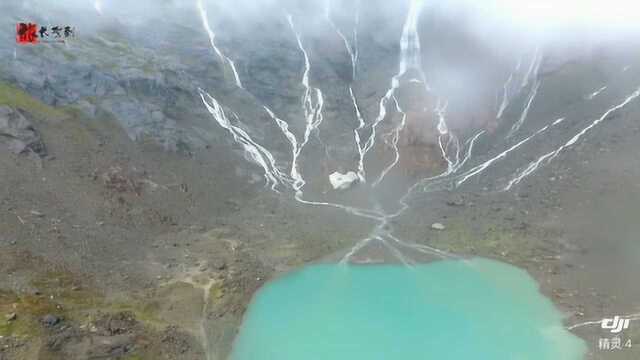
column 17, row 98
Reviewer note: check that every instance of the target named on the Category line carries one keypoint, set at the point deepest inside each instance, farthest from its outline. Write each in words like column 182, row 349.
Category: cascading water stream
column 252, row 150
column 450, row 147
column 507, row 90
column 312, row 108
column 546, row 158
column 454, row 152
column 395, row 136
column 312, row 102
column 409, row 59
column 353, row 55
column 210, row 33
column 356, row 135
column 596, row 93
column 531, row 75
column 523, row 116
column 534, row 67
column 351, row 50
column 480, row 168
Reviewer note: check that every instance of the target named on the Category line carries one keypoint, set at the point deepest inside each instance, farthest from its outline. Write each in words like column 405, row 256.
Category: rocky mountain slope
column 147, row 164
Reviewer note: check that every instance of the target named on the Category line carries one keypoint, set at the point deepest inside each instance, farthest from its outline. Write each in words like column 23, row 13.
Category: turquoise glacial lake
column 455, row 310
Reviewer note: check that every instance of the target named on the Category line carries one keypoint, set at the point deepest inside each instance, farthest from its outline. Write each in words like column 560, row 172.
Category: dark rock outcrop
column 18, row 134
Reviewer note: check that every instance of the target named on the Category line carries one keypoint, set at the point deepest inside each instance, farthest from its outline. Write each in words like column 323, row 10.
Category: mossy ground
column 15, row 97
column 493, row 240
column 62, row 294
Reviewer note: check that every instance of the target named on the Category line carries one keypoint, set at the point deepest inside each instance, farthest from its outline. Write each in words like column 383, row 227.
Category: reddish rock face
column 421, row 121
column 418, row 142
column 420, row 129
column 418, row 160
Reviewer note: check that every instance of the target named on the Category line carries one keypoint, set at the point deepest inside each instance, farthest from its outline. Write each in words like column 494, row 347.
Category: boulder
column 438, row 226
column 341, row 181
column 50, row 320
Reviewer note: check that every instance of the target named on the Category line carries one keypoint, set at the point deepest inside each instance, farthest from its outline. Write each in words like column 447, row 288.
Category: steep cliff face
column 144, row 70
column 300, row 89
